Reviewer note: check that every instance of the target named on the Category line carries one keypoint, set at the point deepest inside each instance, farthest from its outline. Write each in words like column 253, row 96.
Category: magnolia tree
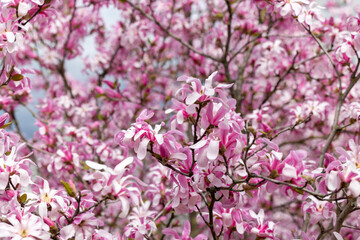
column 217, row 119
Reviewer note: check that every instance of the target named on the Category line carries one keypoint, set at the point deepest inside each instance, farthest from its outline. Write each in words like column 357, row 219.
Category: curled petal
column 141, row 151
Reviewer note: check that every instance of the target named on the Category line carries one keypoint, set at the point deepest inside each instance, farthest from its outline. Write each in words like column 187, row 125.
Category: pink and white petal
column 180, row 156
column 213, row 150
column 224, row 85
column 43, row 209
column 125, row 207
column 240, row 228
column 209, row 91
column 142, row 149
column 199, row 144
column 214, row 180
column 4, row 180
column 95, row 165
column 332, row 182
column 170, row 232
column 23, row 8
column 338, row 236
column 120, row 168
column 24, row 177
column 187, row 230
column 227, row 219
column 130, row 132
column 10, row 37
column 180, row 117
column 3, row 119
column 192, row 98
column 67, row 231
column 354, row 188
column 289, row 171
column 159, row 138
column 285, row 10
column 297, row 8
column 357, row 42
column 201, row 237
column 139, row 134
column 209, row 80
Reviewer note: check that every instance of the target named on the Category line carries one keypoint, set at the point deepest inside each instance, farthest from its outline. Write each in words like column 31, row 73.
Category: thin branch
column 182, row 42
column 326, row 53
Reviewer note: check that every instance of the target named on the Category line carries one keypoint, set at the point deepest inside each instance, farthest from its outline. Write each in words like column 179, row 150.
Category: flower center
column 46, row 198
column 357, row 165
column 23, row 233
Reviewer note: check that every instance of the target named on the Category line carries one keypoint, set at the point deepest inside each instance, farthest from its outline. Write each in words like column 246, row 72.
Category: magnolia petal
column 187, row 229
column 357, row 42
column 138, row 134
column 332, row 181
column 209, row 91
column 227, row 219
column 3, row 119
column 297, row 8
column 10, row 37
column 240, row 228
column 23, row 9
column 130, row 132
column 179, row 155
column 159, row 138
column 43, row 209
column 141, row 151
column 125, row 207
column 289, row 171
column 121, row 166
column 253, row 214
column 214, row 180
column 24, row 177
column 4, row 179
column 338, row 236
column 198, row 145
column 180, row 117
column 209, row 80
column 38, row 2
column 95, row 165
column 285, row 10
column 192, row 98
column 67, row 231
column 354, row 188
column 213, row 150
column 170, row 232
column 224, row 85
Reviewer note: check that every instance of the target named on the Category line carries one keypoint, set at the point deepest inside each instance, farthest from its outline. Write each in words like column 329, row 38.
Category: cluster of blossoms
column 257, row 139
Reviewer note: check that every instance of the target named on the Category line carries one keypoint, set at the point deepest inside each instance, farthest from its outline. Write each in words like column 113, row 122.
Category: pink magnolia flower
column 292, row 6
column 318, row 210
column 82, row 227
column 263, row 229
column 48, row 199
column 353, row 24
column 27, row 227
column 11, row 166
column 185, row 235
column 194, row 91
column 141, row 133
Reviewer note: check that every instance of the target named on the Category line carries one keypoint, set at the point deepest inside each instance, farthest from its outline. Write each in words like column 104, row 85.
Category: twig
column 182, row 42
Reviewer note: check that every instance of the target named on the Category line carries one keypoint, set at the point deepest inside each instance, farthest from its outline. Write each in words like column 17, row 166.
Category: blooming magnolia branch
column 257, row 139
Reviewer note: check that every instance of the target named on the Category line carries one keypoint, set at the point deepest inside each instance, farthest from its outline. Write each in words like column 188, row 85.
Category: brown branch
column 170, row 34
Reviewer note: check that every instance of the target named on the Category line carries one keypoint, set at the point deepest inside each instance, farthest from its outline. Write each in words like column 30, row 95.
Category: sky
column 74, row 68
